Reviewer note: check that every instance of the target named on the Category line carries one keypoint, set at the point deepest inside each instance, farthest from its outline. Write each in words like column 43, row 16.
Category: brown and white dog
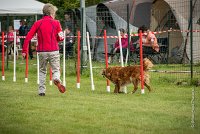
column 122, row 76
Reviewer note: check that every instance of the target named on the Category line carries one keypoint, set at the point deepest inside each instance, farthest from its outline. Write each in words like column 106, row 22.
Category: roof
column 20, row 7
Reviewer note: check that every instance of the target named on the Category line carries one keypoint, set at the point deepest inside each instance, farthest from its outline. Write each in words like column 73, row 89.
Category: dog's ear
column 109, row 74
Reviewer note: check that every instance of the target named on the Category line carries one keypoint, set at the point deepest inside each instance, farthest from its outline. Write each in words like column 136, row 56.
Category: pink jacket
column 124, row 41
column 47, row 30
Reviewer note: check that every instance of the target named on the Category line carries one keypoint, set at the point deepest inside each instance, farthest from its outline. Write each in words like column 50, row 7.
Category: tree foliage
column 64, row 5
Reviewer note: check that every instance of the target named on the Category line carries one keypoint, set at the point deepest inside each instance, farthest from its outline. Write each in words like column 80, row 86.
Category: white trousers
column 54, row 60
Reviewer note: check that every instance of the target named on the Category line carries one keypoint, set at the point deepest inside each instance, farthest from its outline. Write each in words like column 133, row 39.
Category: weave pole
column 26, row 72
column 78, row 62
column 3, row 69
column 90, row 61
column 38, row 66
column 50, row 76
column 106, row 58
column 121, row 55
column 14, row 66
column 37, row 56
column 64, row 81
column 120, row 48
column 141, row 64
column 127, row 56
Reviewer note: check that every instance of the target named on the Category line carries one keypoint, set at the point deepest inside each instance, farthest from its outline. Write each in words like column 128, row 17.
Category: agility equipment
column 106, row 58
column 3, row 75
column 121, row 55
column 78, row 61
column 90, row 61
column 14, row 68
column 26, row 72
column 141, row 63
column 64, row 81
column 50, row 75
column 38, row 62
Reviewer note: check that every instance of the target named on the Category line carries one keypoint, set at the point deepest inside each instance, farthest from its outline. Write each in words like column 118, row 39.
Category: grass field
column 169, row 109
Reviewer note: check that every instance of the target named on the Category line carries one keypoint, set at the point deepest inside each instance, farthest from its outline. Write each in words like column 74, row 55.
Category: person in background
column 149, row 41
column 69, row 21
column 49, row 32
column 69, row 42
column 23, row 31
column 116, row 49
column 10, row 39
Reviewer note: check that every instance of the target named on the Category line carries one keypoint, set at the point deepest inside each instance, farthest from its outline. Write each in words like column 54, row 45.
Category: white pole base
column 64, row 83
column 142, row 91
column 50, row 82
column 108, row 89
column 92, row 87
column 14, row 79
column 78, row 85
column 125, row 90
column 26, row 80
column 3, row 77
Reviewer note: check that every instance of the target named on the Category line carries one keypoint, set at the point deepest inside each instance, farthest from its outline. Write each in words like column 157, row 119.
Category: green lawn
column 167, row 110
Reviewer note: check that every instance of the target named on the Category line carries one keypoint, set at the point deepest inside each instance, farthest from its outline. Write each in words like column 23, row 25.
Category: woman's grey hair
column 49, row 9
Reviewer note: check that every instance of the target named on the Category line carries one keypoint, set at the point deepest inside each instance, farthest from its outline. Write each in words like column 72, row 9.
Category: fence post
column 191, row 38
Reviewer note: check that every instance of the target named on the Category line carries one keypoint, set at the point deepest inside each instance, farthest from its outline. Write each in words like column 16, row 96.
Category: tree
column 64, row 5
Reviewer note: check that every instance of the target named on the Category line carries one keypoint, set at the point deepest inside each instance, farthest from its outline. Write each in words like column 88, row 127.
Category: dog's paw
column 133, row 91
column 121, row 92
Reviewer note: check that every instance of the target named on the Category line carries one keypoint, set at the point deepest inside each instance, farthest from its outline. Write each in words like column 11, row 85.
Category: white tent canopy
column 20, row 7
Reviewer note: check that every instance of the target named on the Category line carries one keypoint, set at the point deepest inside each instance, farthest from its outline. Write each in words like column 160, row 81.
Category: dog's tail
column 147, row 64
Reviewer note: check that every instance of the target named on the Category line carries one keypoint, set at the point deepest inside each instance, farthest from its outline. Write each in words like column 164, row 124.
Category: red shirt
column 124, row 41
column 47, row 30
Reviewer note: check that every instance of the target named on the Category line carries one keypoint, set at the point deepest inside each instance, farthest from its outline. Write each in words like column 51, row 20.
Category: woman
column 49, row 32
column 149, row 40
column 10, row 39
column 124, row 43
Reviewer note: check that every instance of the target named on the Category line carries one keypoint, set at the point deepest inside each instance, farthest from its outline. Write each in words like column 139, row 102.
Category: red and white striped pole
column 78, row 62
column 50, row 74
column 106, row 58
column 26, row 72
column 141, row 64
column 3, row 76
